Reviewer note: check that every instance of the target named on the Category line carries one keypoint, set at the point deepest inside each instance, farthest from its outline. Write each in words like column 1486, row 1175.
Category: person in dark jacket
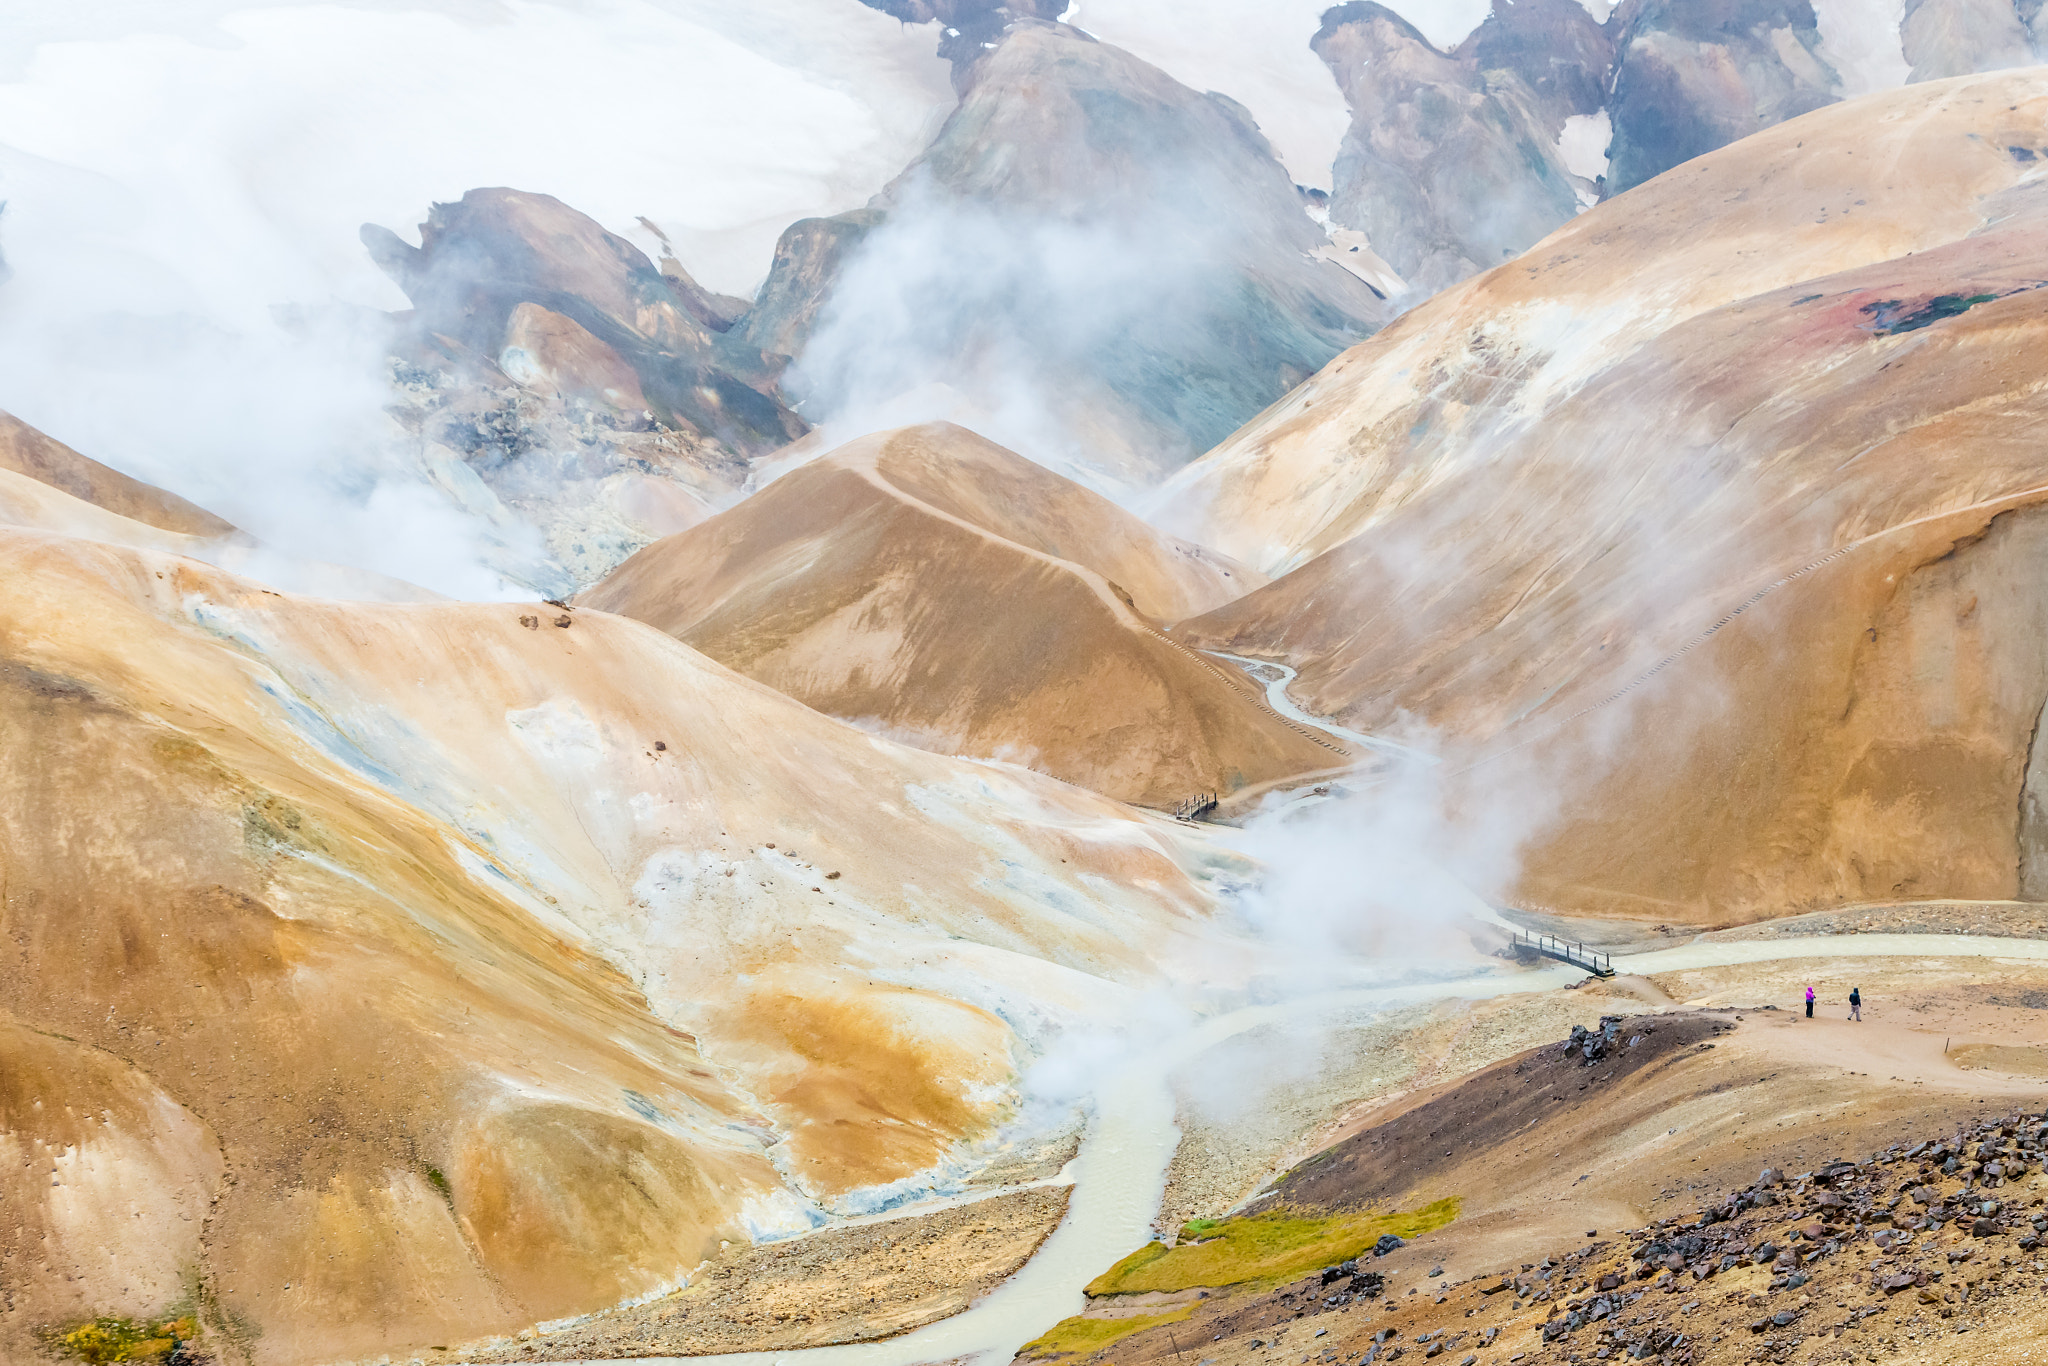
column 1809, row 1003
column 1856, row 1004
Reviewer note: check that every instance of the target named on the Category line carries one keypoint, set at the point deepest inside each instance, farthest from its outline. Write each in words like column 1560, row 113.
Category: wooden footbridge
column 1549, row 946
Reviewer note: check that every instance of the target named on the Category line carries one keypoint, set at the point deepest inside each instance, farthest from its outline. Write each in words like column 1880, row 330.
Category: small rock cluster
column 1386, row 1348
column 1635, row 1340
column 1592, row 1044
column 1346, row 1283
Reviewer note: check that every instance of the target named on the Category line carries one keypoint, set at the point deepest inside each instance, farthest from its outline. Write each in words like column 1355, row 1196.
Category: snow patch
column 1351, row 249
column 1258, row 55
column 1582, row 145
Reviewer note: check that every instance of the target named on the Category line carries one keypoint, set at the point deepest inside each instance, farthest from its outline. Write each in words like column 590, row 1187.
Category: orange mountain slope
column 1443, row 392
column 26, row 451
column 354, row 958
column 1703, row 539
column 940, row 589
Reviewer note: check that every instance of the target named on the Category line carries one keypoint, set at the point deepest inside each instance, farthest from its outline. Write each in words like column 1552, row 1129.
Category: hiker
column 1856, row 1004
column 1809, row 1003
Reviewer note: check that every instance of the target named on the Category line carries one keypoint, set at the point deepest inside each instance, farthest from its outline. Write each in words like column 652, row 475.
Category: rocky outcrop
column 555, row 356
column 718, row 312
column 552, row 378
column 968, row 29
column 534, row 448
column 1451, row 163
column 809, row 256
column 1944, row 38
column 484, row 256
column 1085, row 231
column 1456, row 161
column 1694, row 75
column 1553, row 47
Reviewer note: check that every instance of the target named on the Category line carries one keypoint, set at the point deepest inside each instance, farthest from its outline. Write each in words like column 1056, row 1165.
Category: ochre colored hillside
column 1446, row 389
column 1706, row 541
column 940, row 589
column 400, row 974
column 24, row 450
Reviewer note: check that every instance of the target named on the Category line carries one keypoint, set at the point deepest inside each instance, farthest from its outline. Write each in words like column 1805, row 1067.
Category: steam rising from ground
column 176, row 171
column 993, row 317
column 1378, row 874
column 176, row 174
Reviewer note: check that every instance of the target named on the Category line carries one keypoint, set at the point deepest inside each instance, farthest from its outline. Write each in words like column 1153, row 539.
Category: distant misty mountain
column 1086, row 238
column 1100, row 266
column 1456, row 161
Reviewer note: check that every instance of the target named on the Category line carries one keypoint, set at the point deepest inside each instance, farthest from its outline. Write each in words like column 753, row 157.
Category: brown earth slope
column 355, row 958
column 936, row 587
column 849, row 1284
column 1733, row 485
column 25, row 450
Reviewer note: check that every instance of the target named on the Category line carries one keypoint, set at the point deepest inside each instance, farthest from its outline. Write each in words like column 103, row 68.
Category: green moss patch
column 1081, row 1335
column 1267, row 1249
column 111, row 1339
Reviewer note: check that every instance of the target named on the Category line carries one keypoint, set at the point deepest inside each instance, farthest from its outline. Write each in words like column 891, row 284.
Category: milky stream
column 1276, row 697
column 1119, row 1174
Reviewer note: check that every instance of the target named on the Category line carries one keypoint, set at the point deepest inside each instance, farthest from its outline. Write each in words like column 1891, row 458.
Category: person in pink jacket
column 1809, row 1003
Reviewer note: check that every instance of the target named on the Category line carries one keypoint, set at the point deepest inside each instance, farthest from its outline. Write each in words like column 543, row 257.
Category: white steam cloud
column 184, row 183
column 1377, row 873
column 992, row 317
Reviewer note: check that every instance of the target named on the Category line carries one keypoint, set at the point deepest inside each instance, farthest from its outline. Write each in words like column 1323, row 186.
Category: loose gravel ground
column 847, row 1284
